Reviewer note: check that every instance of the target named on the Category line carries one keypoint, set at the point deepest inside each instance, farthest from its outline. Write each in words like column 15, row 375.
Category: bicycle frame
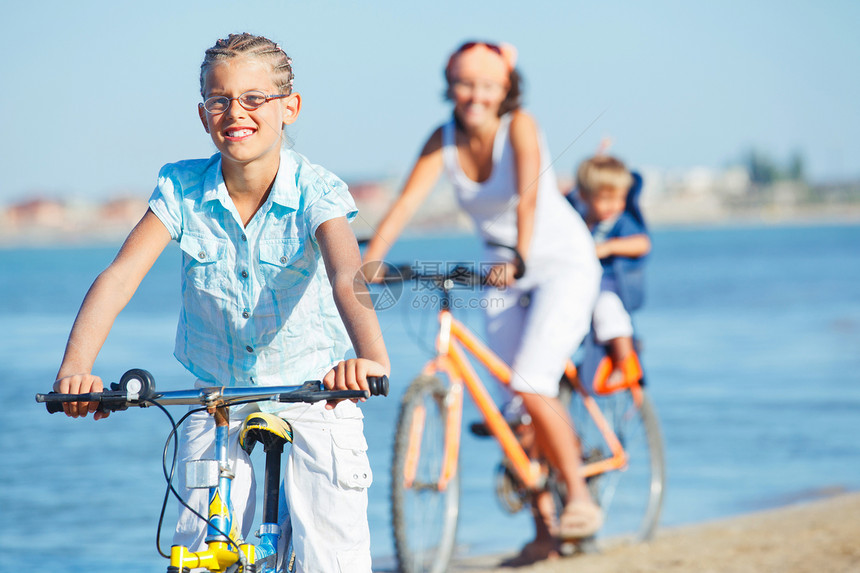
column 224, row 545
column 454, row 342
column 218, row 555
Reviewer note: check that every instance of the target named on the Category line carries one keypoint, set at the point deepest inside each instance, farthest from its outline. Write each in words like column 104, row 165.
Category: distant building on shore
column 670, row 197
column 44, row 220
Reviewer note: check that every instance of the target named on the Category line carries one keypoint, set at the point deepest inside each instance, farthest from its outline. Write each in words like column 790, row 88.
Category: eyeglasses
column 249, row 100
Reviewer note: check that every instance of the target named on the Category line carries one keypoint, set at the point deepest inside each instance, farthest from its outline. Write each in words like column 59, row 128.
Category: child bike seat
column 270, row 430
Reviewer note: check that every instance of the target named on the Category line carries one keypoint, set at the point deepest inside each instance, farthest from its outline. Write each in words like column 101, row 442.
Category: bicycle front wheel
column 631, row 498
column 424, row 509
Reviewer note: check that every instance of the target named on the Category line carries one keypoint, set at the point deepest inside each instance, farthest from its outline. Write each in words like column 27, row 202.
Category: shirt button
column 244, row 274
column 244, row 238
column 245, row 314
column 201, row 255
column 249, row 349
column 283, row 260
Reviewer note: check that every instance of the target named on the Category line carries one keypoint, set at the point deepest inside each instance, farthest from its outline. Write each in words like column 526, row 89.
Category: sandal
column 579, row 520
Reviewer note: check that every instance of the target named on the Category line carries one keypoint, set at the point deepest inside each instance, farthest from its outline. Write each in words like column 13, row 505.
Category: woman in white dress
column 495, row 156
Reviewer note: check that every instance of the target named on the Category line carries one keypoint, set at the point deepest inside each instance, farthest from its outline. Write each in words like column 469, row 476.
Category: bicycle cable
column 421, row 330
column 168, row 475
column 412, row 329
column 169, row 480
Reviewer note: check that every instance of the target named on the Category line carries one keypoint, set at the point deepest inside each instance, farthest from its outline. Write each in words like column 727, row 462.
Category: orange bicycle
column 617, row 427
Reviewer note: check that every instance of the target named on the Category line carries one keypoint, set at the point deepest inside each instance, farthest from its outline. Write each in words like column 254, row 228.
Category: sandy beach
column 817, row 536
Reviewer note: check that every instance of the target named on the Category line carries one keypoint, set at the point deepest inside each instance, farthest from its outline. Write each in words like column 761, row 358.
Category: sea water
column 751, row 338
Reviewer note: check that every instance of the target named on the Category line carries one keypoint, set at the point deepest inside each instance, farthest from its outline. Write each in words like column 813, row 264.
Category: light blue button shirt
column 257, row 306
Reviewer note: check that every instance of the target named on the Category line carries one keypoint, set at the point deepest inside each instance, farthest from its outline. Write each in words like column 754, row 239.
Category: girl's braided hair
column 250, row 46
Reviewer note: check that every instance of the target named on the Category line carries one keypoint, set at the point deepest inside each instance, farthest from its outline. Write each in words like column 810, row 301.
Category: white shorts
column 538, row 339
column 325, row 485
column 610, row 320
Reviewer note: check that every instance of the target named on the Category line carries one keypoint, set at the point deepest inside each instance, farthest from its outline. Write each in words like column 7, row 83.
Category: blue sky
column 98, row 95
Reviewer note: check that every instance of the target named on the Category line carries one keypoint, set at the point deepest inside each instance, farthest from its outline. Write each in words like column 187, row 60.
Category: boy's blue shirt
column 625, row 226
column 622, row 275
column 257, row 306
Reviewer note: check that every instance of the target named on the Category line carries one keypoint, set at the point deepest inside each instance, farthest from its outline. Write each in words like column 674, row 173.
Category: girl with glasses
column 268, row 268
column 495, row 156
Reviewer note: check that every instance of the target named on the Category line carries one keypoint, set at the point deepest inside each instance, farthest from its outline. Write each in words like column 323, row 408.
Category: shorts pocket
column 352, row 466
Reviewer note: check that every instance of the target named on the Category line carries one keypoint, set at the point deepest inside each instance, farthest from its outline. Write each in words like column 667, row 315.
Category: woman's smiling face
column 479, row 84
column 477, row 98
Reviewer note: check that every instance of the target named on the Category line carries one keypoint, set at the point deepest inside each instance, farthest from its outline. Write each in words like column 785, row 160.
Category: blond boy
column 603, row 183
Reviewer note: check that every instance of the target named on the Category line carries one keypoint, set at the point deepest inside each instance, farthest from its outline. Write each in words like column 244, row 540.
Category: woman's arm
column 424, row 175
column 526, row 147
column 108, row 295
column 343, row 265
column 525, row 143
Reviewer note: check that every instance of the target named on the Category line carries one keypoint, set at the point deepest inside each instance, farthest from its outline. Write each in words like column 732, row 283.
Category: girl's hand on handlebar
column 80, row 384
column 351, row 375
column 501, row 275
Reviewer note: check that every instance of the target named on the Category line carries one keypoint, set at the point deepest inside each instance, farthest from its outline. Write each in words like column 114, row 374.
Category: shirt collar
column 284, row 191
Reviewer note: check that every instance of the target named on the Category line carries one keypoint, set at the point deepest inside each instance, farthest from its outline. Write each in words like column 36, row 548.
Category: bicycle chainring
column 511, row 493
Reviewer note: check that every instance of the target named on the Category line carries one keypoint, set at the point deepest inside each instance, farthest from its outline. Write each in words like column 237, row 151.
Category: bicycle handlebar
column 459, row 275
column 462, row 275
column 137, row 388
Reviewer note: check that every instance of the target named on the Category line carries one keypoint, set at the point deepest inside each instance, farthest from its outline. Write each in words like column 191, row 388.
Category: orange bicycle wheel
column 424, row 508
column 631, row 498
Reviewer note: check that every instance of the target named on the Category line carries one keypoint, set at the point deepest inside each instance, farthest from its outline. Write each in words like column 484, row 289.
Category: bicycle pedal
column 480, row 430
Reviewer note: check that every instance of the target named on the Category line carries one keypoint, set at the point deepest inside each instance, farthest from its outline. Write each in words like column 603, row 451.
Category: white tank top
column 560, row 235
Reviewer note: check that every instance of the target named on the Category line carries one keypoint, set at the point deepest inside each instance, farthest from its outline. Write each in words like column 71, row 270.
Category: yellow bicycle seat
column 268, row 429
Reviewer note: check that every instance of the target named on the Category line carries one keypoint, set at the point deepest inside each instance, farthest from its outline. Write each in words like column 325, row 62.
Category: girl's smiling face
column 240, row 135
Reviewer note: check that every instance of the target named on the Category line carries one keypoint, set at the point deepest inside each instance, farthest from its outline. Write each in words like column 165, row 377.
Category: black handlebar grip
column 53, row 407
column 109, row 401
column 378, row 385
